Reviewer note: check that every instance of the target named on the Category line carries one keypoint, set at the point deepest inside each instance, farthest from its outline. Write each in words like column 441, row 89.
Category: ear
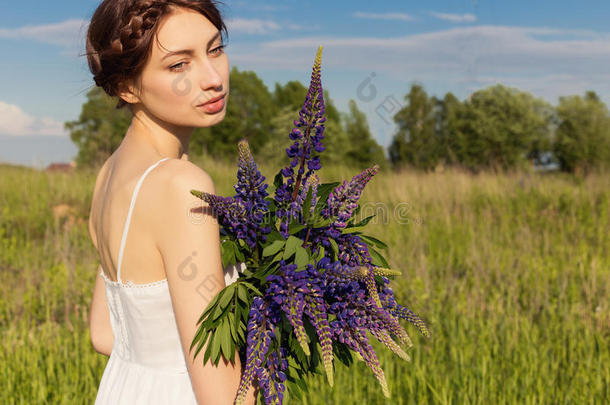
column 128, row 93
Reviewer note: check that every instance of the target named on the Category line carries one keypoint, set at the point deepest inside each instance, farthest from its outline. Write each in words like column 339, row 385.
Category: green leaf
column 250, row 286
column 364, row 221
column 277, row 257
column 374, row 241
column 273, row 248
column 307, row 204
column 219, row 312
column 232, row 325
column 242, row 293
column 215, row 349
column 322, row 222
column 278, row 180
column 239, row 255
column 323, row 192
column 291, row 246
column 333, row 244
column 227, row 294
column 240, row 332
column 301, row 258
column 352, row 229
column 295, row 226
column 274, row 235
column 209, row 308
column 202, row 342
column 228, row 253
column 225, row 338
column 376, row 258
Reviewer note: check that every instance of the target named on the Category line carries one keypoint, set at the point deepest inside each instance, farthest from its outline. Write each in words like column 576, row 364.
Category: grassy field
column 510, row 272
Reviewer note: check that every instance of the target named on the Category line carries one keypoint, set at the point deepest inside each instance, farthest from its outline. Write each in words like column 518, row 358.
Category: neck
column 166, row 139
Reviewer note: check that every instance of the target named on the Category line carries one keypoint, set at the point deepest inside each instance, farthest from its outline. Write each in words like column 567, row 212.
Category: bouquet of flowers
column 314, row 284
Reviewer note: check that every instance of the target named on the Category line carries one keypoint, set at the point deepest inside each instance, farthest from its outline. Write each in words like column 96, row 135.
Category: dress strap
column 126, row 227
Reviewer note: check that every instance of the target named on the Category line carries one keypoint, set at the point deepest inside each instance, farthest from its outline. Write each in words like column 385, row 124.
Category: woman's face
column 187, row 67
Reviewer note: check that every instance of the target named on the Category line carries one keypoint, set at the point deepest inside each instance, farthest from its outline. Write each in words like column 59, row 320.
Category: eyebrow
column 189, row 52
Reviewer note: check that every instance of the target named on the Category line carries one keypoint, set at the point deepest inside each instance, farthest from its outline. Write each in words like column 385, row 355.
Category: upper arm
column 94, row 197
column 99, row 318
column 100, row 329
column 189, row 243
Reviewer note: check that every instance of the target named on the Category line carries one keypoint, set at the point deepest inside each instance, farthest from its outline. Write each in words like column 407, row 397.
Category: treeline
column 501, row 128
column 497, row 128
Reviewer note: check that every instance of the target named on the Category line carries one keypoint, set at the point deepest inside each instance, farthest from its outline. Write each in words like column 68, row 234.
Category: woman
column 159, row 246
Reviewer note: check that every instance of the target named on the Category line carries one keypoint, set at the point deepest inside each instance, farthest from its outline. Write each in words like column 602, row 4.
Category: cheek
column 171, row 90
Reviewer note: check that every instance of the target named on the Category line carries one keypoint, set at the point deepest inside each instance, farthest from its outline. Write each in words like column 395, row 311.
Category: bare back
column 142, row 262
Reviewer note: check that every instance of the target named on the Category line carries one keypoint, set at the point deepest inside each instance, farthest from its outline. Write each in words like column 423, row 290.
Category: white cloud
column 259, row 7
column 252, row 26
column 384, row 16
column 16, row 122
column 535, row 58
column 64, row 33
column 457, row 18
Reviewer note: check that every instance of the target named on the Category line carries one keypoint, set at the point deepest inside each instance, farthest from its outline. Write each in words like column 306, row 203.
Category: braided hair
column 120, row 35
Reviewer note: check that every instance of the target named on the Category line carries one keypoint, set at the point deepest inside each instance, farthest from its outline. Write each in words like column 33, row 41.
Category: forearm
column 103, row 345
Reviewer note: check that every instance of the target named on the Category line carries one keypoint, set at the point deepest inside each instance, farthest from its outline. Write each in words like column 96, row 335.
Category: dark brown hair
column 121, row 32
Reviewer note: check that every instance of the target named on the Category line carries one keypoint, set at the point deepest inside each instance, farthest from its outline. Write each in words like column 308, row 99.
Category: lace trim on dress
column 131, row 284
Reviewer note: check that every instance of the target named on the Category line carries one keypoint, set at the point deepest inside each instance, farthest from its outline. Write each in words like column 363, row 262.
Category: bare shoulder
column 177, row 208
column 174, row 209
column 179, row 175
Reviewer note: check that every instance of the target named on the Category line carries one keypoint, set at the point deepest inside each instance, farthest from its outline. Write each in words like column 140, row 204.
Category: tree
column 500, row 128
column 361, row 148
column 446, row 120
column 416, row 142
column 582, row 138
column 99, row 129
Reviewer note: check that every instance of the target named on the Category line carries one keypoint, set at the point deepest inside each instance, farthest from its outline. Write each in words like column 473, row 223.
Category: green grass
column 510, row 272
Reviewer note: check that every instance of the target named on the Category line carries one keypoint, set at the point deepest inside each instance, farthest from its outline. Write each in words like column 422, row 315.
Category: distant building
column 61, row 167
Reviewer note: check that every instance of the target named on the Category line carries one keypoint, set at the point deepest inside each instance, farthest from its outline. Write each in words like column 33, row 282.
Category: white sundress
column 147, row 365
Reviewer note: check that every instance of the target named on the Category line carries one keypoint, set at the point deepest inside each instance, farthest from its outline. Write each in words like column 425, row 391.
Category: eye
column 220, row 50
column 177, row 66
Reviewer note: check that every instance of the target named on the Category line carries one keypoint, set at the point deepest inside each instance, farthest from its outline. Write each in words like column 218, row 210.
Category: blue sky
column 373, row 52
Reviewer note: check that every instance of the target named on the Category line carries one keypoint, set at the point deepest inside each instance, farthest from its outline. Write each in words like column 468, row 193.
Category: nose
column 211, row 80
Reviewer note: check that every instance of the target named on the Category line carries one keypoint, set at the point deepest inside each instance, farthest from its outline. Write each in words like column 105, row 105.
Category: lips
column 212, row 100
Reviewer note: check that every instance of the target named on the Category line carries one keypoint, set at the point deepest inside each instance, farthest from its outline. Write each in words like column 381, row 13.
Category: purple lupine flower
column 230, row 213
column 307, row 136
column 385, row 338
column 355, row 338
column 352, row 250
column 311, row 182
column 387, row 298
column 272, row 377
column 291, row 289
column 251, row 192
column 316, row 309
column 242, row 214
column 250, row 187
column 344, row 198
column 260, row 332
column 371, row 360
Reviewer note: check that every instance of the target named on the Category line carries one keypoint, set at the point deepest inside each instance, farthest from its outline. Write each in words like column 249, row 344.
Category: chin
column 213, row 118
